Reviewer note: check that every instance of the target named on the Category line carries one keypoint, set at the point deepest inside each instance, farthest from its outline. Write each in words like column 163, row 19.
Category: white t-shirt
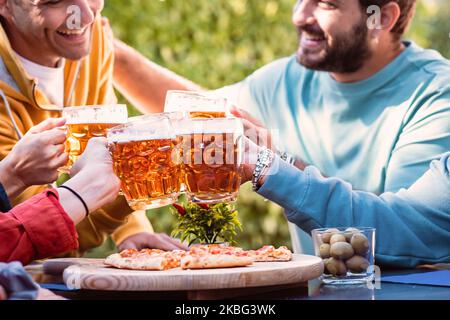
column 50, row 80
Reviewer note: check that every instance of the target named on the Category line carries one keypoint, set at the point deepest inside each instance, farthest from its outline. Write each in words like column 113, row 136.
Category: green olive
column 360, row 244
column 325, row 270
column 326, row 236
column 324, row 250
column 349, row 232
column 336, row 267
column 337, row 237
column 341, row 250
column 357, row 264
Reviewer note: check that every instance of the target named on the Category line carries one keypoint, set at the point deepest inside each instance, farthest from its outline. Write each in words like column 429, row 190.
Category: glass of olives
column 347, row 253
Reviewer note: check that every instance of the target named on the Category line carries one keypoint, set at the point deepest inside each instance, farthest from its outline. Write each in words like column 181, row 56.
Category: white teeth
column 72, row 32
column 313, row 38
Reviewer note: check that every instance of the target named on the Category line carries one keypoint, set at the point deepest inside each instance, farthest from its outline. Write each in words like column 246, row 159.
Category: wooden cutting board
column 57, row 266
column 98, row 277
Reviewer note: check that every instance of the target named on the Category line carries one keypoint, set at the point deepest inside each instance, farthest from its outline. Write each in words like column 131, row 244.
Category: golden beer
column 206, row 114
column 144, row 163
column 211, row 162
column 196, row 104
column 84, row 123
column 78, row 136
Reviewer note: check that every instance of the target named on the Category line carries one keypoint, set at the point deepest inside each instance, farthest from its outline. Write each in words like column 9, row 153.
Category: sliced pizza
column 146, row 259
column 271, row 254
column 198, row 257
column 216, row 249
column 215, row 256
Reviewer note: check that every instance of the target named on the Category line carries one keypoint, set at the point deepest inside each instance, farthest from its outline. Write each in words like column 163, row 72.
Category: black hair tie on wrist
column 78, row 196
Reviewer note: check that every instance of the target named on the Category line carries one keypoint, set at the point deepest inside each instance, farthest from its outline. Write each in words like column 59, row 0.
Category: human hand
column 257, row 138
column 258, row 134
column 96, row 162
column 253, row 129
column 251, row 151
column 44, row 294
column 93, row 179
column 96, row 153
column 3, row 295
column 153, row 241
column 35, row 158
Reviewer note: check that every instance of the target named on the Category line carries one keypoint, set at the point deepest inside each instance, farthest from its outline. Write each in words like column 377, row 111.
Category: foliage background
column 218, row 42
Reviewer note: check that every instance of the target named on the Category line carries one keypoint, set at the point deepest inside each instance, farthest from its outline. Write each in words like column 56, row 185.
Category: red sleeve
column 36, row 229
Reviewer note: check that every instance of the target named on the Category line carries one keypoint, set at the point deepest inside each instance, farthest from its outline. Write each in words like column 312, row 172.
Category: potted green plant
column 207, row 224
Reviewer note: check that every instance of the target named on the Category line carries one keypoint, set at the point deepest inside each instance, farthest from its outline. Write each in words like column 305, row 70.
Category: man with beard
column 357, row 103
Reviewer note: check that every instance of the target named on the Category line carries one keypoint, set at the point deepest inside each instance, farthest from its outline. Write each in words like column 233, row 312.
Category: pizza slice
column 271, row 254
column 198, row 257
column 214, row 249
column 215, row 256
column 146, row 259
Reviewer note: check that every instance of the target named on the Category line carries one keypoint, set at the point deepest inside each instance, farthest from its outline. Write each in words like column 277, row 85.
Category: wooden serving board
column 57, row 266
column 99, row 277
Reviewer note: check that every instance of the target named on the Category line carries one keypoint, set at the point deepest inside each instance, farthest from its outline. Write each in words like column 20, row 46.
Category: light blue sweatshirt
column 379, row 134
column 412, row 226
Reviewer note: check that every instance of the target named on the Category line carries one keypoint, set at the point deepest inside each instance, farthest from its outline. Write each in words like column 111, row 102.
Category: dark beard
column 347, row 55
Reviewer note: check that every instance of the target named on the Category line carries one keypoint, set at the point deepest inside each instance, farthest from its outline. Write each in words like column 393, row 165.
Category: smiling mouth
column 313, row 37
column 72, row 34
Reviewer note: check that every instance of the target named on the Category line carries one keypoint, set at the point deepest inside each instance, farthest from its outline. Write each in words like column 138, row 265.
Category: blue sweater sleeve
column 17, row 282
column 412, row 226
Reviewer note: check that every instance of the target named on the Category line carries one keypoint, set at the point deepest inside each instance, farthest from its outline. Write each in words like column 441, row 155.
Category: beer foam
column 194, row 101
column 125, row 137
column 117, row 121
column 211, row 131
column 210, row 126
column 148, row 127
column 96, row 114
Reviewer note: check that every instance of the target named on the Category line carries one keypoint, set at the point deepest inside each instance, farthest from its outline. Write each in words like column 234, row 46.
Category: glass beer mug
column 196, row 104
column 87, row 122
column 211, row 155
column 143, row 159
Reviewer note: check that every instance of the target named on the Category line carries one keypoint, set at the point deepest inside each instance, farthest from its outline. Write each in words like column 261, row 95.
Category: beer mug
column 196, row 104
column 88, row 122
column 211, row 155
column 143, row 158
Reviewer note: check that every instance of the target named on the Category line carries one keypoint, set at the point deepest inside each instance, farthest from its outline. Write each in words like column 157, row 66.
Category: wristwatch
column 286, row 157
column 265, row 158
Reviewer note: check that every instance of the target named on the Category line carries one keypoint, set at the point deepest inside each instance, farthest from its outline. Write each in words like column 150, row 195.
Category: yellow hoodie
column 86, row 82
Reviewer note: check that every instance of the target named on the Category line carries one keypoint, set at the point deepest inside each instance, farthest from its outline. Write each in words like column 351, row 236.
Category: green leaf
column 63, row 177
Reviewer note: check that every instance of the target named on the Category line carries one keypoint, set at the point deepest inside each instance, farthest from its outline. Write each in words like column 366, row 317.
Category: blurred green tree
column 431, row 25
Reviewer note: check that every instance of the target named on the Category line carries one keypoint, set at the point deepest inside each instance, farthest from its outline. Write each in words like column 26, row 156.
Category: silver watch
column 286, row 157
column 265, row 158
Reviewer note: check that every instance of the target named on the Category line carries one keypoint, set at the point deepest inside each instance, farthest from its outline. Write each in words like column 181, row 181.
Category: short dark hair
column 407, row 8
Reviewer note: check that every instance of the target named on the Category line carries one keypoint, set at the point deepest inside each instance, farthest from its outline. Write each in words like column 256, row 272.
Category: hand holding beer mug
column 196, row 104
column 211, row 158
column 35, row 159
column 86, row 122
column 143, row 158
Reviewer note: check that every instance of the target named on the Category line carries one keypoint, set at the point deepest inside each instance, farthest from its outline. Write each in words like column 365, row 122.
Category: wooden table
column 312, row 290
column 95, row 280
